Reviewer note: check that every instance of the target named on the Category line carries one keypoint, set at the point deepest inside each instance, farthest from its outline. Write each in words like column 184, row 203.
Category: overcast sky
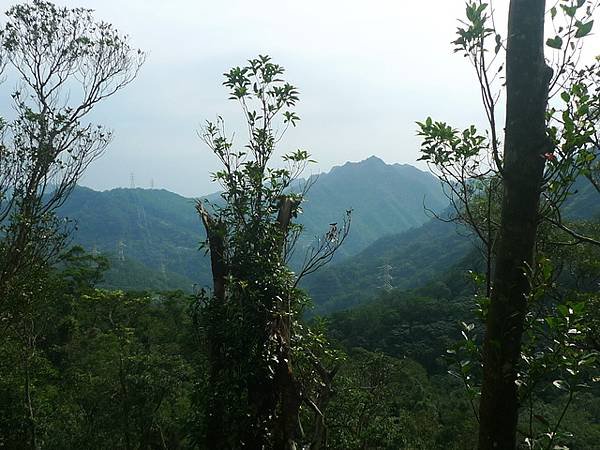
column 366, row 71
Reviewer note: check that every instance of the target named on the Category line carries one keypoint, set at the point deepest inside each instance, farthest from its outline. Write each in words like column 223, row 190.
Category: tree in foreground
column 65, row 63
column 529, row 171
column 526, row 141
column 263, row 362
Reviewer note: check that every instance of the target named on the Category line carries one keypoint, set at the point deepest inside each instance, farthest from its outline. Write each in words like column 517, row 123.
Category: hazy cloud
column 366, row 70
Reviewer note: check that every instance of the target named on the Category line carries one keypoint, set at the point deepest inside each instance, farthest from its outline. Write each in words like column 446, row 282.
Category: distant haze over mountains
column 153, row 236
column 158, row 233
column 385, row 199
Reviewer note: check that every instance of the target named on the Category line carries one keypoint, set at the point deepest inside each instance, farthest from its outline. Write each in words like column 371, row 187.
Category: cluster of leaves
column 573, row 129
column 558, row 351
column 87, row 368
column 558, row 368
column 578, row 23
column 252, row 317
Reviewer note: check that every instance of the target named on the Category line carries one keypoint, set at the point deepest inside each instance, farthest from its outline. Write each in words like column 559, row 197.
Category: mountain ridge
column 160, row 229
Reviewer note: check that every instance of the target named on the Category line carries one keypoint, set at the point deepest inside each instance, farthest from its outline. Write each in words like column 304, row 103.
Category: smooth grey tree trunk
column 526, row 140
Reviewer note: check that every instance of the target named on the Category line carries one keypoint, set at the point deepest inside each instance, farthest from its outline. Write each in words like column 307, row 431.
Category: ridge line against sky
column 217, row 190
column 366, row 71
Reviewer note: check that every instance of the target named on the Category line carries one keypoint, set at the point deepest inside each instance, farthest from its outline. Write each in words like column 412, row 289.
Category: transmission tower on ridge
column 386, row 277
column 131, row 181
column 121, row 250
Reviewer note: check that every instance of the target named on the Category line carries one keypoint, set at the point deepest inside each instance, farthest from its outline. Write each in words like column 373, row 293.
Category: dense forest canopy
column 374, row 307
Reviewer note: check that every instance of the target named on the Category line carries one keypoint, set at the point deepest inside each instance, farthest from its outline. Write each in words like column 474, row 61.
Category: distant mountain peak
column 370, row 162
column 373, row 160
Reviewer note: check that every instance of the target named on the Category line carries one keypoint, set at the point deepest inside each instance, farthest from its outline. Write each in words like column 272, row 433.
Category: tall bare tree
column 66, row 63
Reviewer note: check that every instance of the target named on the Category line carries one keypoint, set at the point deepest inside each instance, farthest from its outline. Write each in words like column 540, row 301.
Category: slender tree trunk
column 526, row 141
column 319, row 439
column 215, row 232
column 124, row 404
column 29, row 403
column 288, row 386
column 289, row 390
column 216, row 434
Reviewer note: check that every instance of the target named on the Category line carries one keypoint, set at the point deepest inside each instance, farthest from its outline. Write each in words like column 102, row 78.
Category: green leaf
column 555, row 42
column 583, row 29
column 563, row 310
column 561, row 384
column 569, row 10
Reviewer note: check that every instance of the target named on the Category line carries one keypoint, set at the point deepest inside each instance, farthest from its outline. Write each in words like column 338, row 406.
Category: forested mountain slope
column 386, row 199
column 160, row 234
column 415, row 257
column 154, row 236
column 155, row 231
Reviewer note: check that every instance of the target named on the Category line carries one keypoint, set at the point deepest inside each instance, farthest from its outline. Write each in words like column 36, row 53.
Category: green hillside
column 385, row 199
column 131, row 275
column 156, row 231
column 416, row 256
column 160, row 232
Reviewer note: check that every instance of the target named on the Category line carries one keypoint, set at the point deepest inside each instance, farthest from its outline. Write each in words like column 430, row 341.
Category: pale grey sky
column 366, row 71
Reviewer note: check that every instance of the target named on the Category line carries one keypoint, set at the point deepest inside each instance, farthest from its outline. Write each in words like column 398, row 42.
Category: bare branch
column 326, row 246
